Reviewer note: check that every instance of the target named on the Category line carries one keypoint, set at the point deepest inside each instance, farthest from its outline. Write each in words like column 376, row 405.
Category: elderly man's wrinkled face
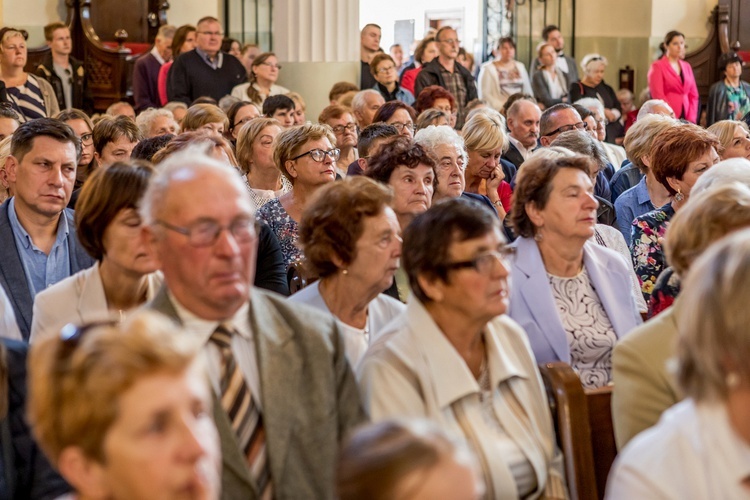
column 524, row 124
column 210, row 278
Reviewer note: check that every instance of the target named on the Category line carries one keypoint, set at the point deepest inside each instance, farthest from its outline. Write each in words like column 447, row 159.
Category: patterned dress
column 665, row 291
column 284, row 227
column 645, row 247
column 590, row 333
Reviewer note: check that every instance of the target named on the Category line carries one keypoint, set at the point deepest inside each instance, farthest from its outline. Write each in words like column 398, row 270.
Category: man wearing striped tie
column 285, row 394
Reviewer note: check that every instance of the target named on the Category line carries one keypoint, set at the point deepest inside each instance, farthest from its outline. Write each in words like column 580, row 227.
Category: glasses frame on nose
column 339, row 129
column 568, row 128
column 212, row 231
column 400, row 126
column 319, row 155
column 211, row 33
column 484, row 263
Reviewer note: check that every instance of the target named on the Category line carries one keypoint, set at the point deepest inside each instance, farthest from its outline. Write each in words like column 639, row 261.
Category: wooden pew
column 583, row 423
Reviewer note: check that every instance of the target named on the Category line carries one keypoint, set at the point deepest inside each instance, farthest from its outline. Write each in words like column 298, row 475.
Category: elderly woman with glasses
column 592, row 85
column 306, row 157
column 699, row 447
column 398, row 114
column 264, row 71
column 108, row 226
column 572, row 297
column 124, row 410
column 455, row 358
column 351, row 239
column 31, row 97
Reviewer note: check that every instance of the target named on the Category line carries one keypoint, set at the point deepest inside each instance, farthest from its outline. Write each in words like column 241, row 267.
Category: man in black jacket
column 446, row 72
column 65, row 73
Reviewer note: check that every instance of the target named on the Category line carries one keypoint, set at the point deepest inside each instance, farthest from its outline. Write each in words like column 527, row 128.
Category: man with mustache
column 523, row 124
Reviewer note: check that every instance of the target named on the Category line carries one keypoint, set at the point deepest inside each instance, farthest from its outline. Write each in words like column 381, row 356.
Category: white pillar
column 317, row 41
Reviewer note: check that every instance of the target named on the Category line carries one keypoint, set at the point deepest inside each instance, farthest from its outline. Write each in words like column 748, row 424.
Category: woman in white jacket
column 503, row 77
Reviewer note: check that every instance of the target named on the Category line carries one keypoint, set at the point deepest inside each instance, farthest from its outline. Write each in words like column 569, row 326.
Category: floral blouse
column 285, row 228
column 666, row 289
column 645, row 247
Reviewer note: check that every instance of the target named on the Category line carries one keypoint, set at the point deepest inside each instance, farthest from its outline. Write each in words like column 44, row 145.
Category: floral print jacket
column 646, row 246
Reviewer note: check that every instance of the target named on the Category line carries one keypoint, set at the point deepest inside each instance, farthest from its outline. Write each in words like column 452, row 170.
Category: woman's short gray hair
column 433, row 136
column 590, row 103
column 147, row 117
column 713, row 345
column 588, row 59
column 583, row 144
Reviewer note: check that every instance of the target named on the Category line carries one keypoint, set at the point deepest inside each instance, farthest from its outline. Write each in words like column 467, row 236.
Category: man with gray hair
column 365, row 106
column 146, row 70
column 285, row 393
column 155, row 122
column 523, row 126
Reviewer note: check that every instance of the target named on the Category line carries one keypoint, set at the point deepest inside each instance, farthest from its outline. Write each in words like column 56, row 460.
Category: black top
column 190, row 77
column 270, row 271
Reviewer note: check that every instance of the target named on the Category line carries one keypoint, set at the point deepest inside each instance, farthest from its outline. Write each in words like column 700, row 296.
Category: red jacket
column 664, row 83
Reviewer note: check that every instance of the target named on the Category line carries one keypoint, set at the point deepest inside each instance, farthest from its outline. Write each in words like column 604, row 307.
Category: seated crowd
column 436, row 230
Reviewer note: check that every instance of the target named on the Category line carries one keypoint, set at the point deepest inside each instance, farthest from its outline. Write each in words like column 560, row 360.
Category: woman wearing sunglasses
column 124, row 411
column 306, row 157
column 108, row 226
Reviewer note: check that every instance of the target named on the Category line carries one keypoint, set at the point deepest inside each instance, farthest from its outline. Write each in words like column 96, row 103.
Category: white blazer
column 489, row 84
column 77, row 299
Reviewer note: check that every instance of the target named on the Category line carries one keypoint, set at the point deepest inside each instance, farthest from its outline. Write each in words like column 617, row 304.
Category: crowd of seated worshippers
column 440, row 247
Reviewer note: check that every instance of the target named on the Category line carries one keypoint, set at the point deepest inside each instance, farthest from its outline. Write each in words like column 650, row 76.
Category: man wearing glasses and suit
column 285, row 394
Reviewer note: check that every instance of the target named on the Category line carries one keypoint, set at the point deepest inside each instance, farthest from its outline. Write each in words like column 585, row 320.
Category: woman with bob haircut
column 406, row 459
column 455, row 358
column 572, row 297
column 205, row 117
column 549, row 82
column 255, row 145
column 239, row 114
column 264, row 71
column 699, row 447
column 644, row 386
column 426, row 51
column 124, row 410
column 679, row 155
column 398, row 114
column 486, row 173
column 734, row 137
column 306, row 157
column 350, row 237
column 108, row 226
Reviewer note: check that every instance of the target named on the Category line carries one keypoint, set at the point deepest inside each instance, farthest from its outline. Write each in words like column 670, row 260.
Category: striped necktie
column 247, row 422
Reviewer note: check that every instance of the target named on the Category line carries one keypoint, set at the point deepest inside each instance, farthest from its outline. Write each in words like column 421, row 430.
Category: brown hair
column 199, row 115
column 334, row 221
column 333, row 112
column 110, row 128
column 379, row 58
column 186, row 139
column 246, row 139
column 179, row 38
column 640, row 137
column 419, row 51
column 399, row 151
column 534, row 185
column 676, row 147
column 341, row 88
column 106, row 192
column 426, row 99
column 49, row 30
column 252, row 94
column 289, row 142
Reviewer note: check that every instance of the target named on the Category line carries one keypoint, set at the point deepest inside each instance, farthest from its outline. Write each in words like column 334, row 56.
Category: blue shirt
column 215, row 63
column 41, row 270
column 629, row 205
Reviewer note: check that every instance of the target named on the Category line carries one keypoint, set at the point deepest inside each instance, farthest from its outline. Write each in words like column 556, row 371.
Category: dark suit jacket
column 309, row 396
column 26, row 473
column 145, row 76
column 13, row 277
column 513, row 156
column 431, row 75
column 82, row 96
column 270, row 271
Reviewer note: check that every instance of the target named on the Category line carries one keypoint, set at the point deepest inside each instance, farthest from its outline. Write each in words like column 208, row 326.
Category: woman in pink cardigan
column 671, row 78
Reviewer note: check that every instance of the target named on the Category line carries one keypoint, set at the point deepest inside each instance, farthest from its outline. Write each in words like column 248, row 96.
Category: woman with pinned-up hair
column 264, row 72
column 671, row 79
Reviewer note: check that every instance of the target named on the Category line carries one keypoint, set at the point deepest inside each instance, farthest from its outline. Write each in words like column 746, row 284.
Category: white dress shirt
column 520, row 147
column 243, row 345
column 692, row 453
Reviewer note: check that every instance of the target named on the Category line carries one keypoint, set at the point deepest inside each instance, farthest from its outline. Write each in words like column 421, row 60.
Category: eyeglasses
column 318, row 154
column 451, row 41
column 485, row 263
column 603, row 122
column 87, row 139
column 211, row 33
column 567, row 128
column 386, row 70
column 339, row 129
column 205, row 233
column 271, row 65
column 401, row 126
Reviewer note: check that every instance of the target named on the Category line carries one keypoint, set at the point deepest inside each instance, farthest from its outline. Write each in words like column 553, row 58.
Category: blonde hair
column 705, row 219
column 485, row 131
column 199, row 115
column 4, row 154
column 724, row 131
column 640, row 137
column 299, row 102
column 712, row 324
column 74, row 389
column 247, row 136
column 289, row 142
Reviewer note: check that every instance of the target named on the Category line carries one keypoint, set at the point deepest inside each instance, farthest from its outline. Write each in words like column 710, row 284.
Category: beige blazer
column 644, row 386
column 77, row 299
column 308, row 394
column 412, row 371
